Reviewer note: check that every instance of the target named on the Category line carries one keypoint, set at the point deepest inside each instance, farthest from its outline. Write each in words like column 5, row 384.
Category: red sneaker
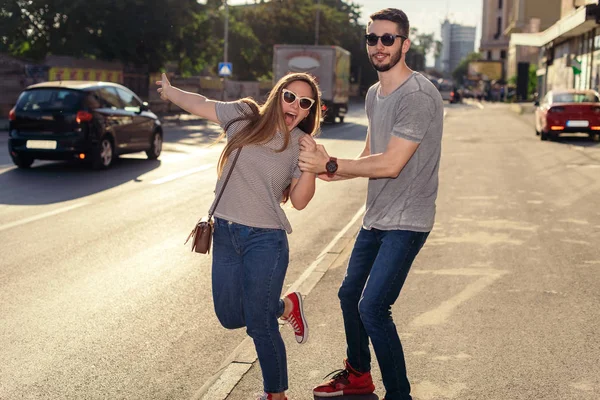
column 346, row 382
column 296, row 318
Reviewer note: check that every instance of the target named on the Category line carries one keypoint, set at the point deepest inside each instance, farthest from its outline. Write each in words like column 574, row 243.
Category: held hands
column 307, row 143
column 165, row 85
column 313, row 160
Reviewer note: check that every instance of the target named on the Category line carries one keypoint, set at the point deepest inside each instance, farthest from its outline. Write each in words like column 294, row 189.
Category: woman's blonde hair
column 263, row 122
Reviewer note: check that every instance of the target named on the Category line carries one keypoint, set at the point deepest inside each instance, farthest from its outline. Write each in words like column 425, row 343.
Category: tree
column 139, row 32
column 460, row 73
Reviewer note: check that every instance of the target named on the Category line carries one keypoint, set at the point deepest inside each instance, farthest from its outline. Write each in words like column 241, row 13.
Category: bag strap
column 212, row 210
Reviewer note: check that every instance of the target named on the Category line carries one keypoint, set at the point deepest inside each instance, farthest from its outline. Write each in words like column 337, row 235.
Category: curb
column 239, row 362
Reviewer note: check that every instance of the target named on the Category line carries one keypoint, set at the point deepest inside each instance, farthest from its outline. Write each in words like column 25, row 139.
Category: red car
column 568, row 111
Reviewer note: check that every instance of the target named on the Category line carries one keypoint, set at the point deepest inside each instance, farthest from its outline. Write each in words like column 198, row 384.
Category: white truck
column 330, row 65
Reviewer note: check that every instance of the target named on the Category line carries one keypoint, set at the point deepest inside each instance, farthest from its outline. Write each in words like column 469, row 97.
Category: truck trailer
column 330, row 65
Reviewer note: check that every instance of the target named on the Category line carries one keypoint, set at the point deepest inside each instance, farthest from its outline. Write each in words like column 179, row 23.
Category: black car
column 90, row 121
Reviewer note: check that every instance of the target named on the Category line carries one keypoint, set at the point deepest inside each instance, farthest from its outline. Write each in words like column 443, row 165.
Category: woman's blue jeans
column 249, row 266
column 376, row 272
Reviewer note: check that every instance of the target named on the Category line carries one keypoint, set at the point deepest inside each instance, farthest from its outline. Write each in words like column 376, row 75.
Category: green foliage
column 533, row 80
column 186, row 34
column 460, row 73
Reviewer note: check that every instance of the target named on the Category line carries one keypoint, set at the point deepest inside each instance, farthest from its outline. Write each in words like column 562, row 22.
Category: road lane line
column 239, row 362
column 181, row 174
column 41, row 216
column 440, row 314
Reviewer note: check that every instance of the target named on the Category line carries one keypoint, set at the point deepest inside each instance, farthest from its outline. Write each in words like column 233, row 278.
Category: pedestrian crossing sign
column 225, row 69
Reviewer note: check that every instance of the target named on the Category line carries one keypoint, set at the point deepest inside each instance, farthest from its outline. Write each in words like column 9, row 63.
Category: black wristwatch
column 331, row 167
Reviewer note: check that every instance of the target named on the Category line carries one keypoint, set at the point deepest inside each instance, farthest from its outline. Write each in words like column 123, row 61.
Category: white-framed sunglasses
column 289, row 97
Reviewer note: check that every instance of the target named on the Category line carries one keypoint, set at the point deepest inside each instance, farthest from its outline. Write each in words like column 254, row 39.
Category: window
column 582, row 97
column 489, row 55
column 498, row 27
column 93, row 101
column 500, row 4
column 131, row 102
column 503, row 54
column 110, row 97
column 49, row 100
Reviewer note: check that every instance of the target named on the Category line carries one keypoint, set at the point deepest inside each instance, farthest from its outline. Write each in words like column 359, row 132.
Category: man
column 401, row 159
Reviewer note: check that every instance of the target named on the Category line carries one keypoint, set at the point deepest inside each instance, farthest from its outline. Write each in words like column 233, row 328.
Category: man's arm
column 413, row 118
column 341, row 177
column 382, row 165
column 388, row 164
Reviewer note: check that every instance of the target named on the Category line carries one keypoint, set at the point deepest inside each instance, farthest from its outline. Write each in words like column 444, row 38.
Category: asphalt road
column 100, row 299
column 98, row 296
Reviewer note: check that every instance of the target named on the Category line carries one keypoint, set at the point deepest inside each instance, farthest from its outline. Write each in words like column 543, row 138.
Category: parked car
column 448, row 91
column 82, row 120
column 568, row 111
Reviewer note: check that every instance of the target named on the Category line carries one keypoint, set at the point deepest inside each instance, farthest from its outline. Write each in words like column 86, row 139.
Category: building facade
column 569, row 50
column 528, row 16
column 494, row 21
column 503, row 18
column 458, row 41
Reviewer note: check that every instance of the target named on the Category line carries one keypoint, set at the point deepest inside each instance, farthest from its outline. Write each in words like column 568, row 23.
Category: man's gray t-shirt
column 414, row 111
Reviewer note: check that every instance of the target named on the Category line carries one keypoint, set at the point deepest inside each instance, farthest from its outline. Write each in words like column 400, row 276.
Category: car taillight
column 12, row 115
column 556, row 109
column 83, row 116
column 323, row 107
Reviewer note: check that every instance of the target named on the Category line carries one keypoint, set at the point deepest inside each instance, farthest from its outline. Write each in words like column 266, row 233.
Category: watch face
column 331, row 166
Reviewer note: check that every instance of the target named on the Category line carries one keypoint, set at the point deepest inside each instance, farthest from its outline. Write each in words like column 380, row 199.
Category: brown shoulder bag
column 202, row 233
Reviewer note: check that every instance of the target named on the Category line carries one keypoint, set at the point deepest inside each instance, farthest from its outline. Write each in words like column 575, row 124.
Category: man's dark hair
column 394, row 15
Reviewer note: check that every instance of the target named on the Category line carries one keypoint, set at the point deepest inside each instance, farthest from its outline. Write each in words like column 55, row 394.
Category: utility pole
column 225, row 45
column 317, row 22
column 226, row 31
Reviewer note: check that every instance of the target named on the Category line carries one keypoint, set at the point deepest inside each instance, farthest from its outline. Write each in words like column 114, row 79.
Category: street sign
column 225, row 69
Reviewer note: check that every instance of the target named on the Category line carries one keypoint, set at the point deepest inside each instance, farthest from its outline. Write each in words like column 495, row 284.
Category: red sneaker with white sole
column 296, row 318
column 346, row 381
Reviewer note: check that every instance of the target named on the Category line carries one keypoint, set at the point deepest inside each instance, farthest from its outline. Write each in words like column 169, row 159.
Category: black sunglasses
column 387, row 39
column 289, row 97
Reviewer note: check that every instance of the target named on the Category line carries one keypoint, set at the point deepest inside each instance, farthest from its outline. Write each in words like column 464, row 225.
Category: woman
column 250, row 248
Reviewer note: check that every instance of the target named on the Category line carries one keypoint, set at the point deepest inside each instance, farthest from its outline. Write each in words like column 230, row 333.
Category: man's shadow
column 371, row 396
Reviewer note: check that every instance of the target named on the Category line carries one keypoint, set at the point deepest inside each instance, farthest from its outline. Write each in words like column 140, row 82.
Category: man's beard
column 395, row 59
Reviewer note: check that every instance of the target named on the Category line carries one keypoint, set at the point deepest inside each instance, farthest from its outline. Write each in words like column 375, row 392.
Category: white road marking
column 440, row 314
column 41, row 216
column 181, row 174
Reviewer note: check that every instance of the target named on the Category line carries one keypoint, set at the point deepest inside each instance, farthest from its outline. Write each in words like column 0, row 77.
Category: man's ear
column 406, row 46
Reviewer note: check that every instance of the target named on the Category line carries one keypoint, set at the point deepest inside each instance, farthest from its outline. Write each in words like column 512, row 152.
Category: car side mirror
column 144, row 106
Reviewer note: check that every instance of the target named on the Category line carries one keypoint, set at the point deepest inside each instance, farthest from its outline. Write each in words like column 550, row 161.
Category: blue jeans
column 378, row 267
column 249, row 266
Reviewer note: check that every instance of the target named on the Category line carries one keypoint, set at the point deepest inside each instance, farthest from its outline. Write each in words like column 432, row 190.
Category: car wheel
column 22, row 161
column 104, row 154
column 155, row 147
